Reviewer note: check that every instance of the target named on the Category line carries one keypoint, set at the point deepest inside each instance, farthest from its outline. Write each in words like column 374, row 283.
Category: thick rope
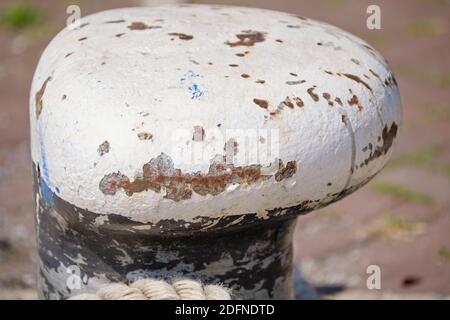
column 152, row 289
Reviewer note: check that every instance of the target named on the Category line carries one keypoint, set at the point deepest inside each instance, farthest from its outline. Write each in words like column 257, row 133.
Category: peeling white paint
column 115, row 76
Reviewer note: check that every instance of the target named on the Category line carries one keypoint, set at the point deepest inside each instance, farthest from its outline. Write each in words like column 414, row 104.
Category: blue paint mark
column 196, row 90
column 47, row 193
column 190, row 74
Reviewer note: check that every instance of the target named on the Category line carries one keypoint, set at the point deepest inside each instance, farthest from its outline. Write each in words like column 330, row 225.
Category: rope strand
column 153, row 289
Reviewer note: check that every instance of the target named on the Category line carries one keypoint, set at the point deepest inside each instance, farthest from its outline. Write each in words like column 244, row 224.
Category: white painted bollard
column 184, row 140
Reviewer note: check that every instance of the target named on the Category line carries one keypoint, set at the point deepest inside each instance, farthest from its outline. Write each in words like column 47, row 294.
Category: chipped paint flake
column 38, row 97
column 247, row 38
column 103, row 148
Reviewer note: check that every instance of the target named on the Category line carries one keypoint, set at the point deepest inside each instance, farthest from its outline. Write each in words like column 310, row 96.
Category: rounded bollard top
column 199, row 115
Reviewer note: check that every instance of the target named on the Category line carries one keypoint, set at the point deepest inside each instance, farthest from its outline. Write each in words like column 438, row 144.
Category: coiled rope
column 153, row 289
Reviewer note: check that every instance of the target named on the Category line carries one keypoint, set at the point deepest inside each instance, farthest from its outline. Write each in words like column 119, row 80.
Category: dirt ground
column 399, row 222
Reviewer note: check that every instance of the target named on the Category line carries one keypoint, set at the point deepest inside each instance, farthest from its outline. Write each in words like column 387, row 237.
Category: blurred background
column 400, row 221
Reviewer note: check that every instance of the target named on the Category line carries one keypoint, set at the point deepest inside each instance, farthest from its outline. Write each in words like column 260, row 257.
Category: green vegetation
column 439, row 112
column 444, row 254
column 447, row 169
column 19, row 16
column 425, row 27
column 440, row 77
column 424, row 157
column 400, row 192
column 439, row 2
column 392, row 227
column 326, row 213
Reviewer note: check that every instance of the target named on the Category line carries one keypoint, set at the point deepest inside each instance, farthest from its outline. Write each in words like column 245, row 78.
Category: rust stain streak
column 38, row 97
column 141, row 26
column 181, row 36
column 313, row 95
column 247, row 38
column 160, row 175
column 388, row 135
column 356, row 79
column 262, row 103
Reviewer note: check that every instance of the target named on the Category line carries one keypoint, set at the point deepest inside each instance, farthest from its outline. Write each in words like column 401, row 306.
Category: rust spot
column 293, row 74
column 299, row 102
column 141, row 26
column 328, row 72
column 260, row 81
column 245, row 76
column 329, row 184
column 82, row 39
column 262, row 103
column 240, row 54
column 285, row 172
column 287, row 102
column 160, row 175
column 247, row 38
column 68, row 54
column 313, row 95
column 145, row 136
column 354, row 101
column 199, row 134
column 119, row 35
column 38, row 97
column 291, row 83
column 376, row 75
column 356, row 79
column 338, row 101
column 103, row 148
column 115, row 21
column 327, row 97
column 112, row 182
column 233, row 65
column 388, row 135
column 181, row 36
column 210, row 63
column 279, row 40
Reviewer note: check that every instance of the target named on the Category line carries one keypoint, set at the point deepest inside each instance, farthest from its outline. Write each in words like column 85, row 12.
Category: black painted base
column 80, row 251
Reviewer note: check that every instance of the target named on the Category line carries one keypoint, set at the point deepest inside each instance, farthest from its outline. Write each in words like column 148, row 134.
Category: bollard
column 184, row 140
